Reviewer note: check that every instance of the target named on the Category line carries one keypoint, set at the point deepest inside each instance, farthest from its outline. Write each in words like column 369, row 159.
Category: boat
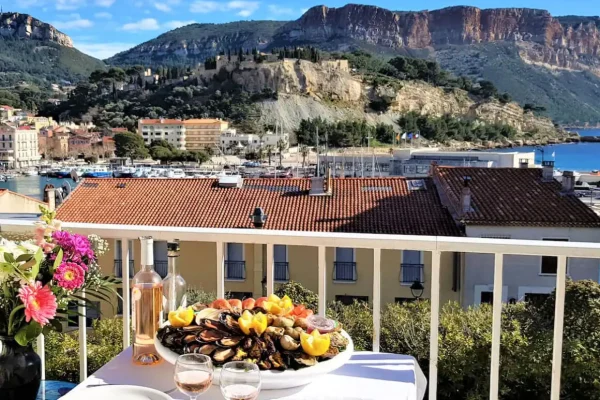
column 175, row 173
column 124, row 172
column 98, row 172
column 31, row 172
column 64, row 172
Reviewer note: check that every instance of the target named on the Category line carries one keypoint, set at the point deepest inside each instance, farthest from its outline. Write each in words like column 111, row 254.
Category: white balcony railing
column 432, row 244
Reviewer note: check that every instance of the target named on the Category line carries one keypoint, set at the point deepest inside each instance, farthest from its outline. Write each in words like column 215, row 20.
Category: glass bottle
column 146, row 298
column 174, row 286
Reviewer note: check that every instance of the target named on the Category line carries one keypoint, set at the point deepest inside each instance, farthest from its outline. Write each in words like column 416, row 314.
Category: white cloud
column 242, row 8
column 104, row 3
column 177, row 24
column 69, row 4
column 103, row 15
column 162, row 7
column 279, row 10
column 102, row 50
column 73, row 21
column 146, row 24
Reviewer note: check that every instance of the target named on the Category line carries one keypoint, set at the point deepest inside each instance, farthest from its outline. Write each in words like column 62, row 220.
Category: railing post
column 82, row 339
column 435, row 321
column 496, row 326
column 220, row 271
column 41, row 351
column 270, row 269
column 376, row 298
column 322, row 280
column 559, row 316
column 126, row 293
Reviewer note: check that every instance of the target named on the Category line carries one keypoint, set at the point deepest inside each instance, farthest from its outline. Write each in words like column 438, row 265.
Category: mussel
column 305, row 360
column 230, row 341
column 207, row 349
column 190, row 338
column 209, row 336
column 277, row 361
column 274, row 331
column 222, row 355
column 192, row 348
column 288, row 343
column 283, row 322
column 212, row 324
column 294, row 333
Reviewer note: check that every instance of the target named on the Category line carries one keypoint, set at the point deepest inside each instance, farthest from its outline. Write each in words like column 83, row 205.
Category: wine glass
column 240, row 380
column 193, row 374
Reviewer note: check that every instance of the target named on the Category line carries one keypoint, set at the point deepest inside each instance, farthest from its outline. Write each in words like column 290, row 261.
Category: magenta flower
column 76, row 248
column 40, row 302
column 69, row 275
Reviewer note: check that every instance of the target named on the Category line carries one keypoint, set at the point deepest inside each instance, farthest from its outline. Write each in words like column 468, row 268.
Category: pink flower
column 69, row 275
column 40, row 302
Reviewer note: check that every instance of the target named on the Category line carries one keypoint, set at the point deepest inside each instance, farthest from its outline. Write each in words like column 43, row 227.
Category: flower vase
column 20, row 370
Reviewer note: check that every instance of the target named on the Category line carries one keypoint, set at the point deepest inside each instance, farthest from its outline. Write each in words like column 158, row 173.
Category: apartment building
column 18, row 146
column 377, row 206
column 232, row 142
column 204, row 133
column 171, row 130
column 517, row 204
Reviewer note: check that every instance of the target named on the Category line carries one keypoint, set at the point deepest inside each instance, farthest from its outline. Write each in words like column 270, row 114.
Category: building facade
column 19, row 146
column 204, row 133
column 232, row 142
column 171, row 130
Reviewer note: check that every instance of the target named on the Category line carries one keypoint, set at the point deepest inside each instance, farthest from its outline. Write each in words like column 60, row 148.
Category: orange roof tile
column 514, row 196
column 204, row 121
column 377, row 205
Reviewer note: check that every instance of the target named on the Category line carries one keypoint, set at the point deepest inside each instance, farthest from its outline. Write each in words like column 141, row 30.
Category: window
column 280, row 258
column 495, row 236
column 344, row 266
column 348, row 300
column 235, row 266
column 412, row 267
column 549, row 265
column 91, row 313
column 240, row 295
column 487, row 298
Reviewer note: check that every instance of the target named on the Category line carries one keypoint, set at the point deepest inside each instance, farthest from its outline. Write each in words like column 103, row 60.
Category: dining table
column 366, row 376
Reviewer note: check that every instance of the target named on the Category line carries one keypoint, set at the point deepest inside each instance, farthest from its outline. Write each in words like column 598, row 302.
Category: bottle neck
column 173, row 265
column 147, row 268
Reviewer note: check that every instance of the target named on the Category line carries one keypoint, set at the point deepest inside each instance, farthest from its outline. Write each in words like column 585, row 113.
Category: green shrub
column 200, row 296
column 357, row 320
column 299, row 295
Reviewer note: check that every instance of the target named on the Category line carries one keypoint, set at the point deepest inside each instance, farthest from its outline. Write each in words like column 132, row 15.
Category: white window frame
column 226, row 256
column 286, row 260
column 478, row 289
column 550, row 239
column 421, row 261
column 523, row 290
column 354, row 272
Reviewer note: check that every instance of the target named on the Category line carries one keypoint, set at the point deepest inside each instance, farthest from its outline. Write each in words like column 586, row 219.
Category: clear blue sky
column 104, row 27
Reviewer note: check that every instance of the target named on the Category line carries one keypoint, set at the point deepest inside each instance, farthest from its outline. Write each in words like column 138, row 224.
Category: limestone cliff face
column 300, row 77
column 575, row 46
column 23, row 26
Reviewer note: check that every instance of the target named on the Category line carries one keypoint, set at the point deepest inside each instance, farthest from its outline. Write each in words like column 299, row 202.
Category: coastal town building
column 203, row 133
column 7, row 113
column 517, row 204
column 384, row 206
column 18, row 146
column 232, row 142
column 16, row 203
column 171, row 130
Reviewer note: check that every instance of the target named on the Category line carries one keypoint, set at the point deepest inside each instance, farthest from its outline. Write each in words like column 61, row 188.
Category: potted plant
column 38, row 280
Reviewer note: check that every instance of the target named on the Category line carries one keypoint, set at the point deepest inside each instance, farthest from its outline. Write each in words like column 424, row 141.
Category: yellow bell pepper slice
column 256, row 322
column 181, row 317
column 315, row 344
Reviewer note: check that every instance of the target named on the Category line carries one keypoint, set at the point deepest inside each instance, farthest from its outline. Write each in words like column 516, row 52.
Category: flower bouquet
column 38, row 280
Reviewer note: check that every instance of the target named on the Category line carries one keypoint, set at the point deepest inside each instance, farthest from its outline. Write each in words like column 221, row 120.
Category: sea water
column 33, row 186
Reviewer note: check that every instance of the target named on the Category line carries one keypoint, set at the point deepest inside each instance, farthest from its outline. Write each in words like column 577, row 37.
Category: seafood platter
column 290, row 344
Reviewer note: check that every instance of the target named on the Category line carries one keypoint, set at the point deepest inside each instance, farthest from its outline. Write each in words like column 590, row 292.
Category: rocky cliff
column 23, row 26
column 571, row 46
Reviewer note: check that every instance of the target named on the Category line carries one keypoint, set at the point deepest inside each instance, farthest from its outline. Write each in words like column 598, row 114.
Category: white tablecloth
column 367, row 376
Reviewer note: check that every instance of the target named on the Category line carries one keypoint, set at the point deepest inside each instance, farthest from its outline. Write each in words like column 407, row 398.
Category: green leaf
column 8, row 257
column 24, row 258
column 58, row 260
column 28, row 333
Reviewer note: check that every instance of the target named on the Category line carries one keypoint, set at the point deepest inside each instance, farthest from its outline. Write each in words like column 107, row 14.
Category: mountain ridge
column 24, row 26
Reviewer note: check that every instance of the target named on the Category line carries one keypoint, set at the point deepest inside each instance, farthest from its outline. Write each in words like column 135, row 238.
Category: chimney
column 465, row 196
column 547, row 171
column 568, row 182
column 321, row 185
column 524, row 163
column 51, row 199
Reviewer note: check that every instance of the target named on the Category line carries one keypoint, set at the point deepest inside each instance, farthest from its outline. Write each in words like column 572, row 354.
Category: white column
column 376, row 298
column 322, row 280
column 496, row 326
column 270, row 269
column 220, row 271
column 126, row 293
column 82, row 340
column 435, row 320
column 559, row 316
column 41, row 351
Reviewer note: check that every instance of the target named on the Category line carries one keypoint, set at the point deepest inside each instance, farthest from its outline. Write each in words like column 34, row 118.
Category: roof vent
column 231, row 181
column 547, row 171
column 416, row 184
column 121, row 186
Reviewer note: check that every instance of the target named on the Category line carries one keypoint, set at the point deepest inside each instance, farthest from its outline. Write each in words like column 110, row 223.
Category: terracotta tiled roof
column 378, row 205
column 160, row 121
column 514, row 196
column 203, row 121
